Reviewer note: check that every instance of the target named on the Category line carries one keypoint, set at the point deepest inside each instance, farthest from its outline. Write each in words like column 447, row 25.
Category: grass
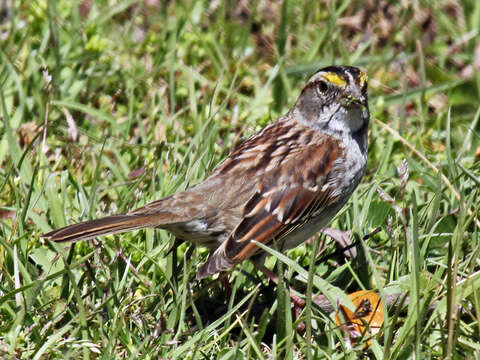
column 106, row 106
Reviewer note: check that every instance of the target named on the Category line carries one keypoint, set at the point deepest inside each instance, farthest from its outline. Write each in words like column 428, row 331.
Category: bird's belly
column 197, row 232
column 307, row 230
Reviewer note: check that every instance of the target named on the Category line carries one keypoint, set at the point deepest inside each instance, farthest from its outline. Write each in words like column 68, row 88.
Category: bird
column 280, row 186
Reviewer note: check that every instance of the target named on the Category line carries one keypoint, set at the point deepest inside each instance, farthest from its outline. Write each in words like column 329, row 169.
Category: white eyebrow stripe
column 351, row 77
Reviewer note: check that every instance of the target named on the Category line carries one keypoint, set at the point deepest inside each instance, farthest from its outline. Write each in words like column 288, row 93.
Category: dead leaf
column 477, row 153
column 242, row 12
column 403, row 174
column 476, row 56
column 438, row 102
column 27, row 132
column 7, row 214
column 84, row 8
column 72, row 126
column 352, row 22
column 367, row 318
column 343, row 239
column 160, row 133
column 467, row 72
column 136, row 173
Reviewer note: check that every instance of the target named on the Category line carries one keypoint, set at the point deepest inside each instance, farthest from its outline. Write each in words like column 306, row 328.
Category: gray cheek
column 310, row 106
column 310, row 111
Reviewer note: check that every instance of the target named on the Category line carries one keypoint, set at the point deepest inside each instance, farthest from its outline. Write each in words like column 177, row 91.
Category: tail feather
column 217, row 262
column 104, row 226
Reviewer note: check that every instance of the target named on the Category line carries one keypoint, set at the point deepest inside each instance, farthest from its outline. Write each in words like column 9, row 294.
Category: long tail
column 104, row 226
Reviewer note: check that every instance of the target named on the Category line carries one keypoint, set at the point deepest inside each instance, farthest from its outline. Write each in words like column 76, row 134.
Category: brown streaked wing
column 288, row 196
column 295, row 206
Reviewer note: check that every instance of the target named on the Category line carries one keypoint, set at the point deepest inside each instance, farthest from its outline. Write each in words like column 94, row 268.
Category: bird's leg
column 223, row 277
column 297, row 301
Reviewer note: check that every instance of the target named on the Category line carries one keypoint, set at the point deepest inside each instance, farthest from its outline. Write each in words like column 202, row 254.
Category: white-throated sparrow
column 283, row 184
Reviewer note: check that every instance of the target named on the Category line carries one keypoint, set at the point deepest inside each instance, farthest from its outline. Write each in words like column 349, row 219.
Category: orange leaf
column 366, row 319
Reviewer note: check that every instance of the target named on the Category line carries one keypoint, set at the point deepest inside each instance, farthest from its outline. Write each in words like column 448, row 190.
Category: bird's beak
column 357, row 100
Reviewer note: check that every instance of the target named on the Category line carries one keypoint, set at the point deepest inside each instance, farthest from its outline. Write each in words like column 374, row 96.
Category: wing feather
column 289, row 195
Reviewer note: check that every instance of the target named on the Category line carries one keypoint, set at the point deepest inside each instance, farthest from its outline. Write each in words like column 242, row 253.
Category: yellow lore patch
column 335, row 79
column 363, row 78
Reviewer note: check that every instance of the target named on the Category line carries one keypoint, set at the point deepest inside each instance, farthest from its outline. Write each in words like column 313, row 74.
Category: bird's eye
column 322, row 87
